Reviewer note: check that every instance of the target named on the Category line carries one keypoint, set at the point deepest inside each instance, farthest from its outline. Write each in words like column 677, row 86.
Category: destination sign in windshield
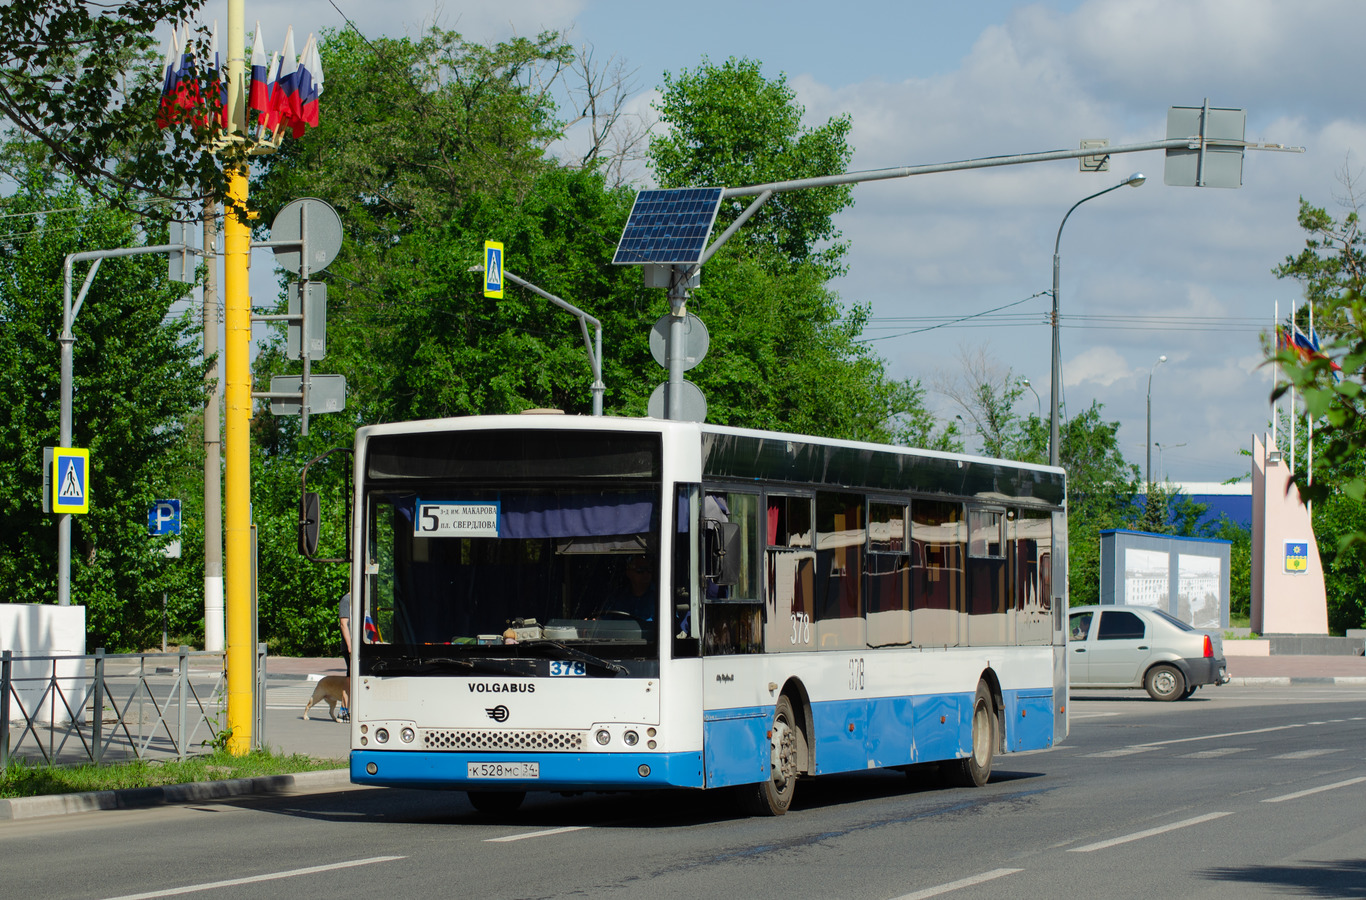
column 444, row 519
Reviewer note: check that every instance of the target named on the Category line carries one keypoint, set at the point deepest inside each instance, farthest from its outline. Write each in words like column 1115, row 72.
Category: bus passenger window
column 889, row 581
column 939, row 539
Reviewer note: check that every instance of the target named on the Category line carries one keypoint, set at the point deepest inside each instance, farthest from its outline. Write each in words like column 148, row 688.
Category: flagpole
column 1276, row 338
column 237, row 396
column 1294, row 405
column 1309, row 420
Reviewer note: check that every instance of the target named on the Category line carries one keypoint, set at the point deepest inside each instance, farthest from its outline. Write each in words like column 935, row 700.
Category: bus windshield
column 457, row 571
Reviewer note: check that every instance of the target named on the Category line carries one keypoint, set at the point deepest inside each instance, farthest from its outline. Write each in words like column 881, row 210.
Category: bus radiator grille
column 504, row 740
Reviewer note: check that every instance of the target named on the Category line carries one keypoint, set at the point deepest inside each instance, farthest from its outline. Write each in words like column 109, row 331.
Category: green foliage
column 728, row 125
column 81, row 82
column 138, row 378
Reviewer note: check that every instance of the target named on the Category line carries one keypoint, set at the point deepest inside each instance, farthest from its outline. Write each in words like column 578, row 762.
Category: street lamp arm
column 1058, row 241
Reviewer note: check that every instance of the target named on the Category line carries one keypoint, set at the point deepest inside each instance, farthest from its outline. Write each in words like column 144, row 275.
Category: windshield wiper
column 420, row 664
column 568, row 652
column 397, row 664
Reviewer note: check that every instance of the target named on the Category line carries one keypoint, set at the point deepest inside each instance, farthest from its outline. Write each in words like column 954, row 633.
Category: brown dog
column 331, row 688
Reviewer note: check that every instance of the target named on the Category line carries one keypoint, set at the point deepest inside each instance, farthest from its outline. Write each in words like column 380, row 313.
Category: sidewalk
column 1294, row 669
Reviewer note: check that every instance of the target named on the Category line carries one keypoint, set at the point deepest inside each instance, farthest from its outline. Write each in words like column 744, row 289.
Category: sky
column 1153, row 271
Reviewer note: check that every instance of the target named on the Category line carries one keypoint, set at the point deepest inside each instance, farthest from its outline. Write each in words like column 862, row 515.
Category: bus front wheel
column 774, row 796
column 975, row 771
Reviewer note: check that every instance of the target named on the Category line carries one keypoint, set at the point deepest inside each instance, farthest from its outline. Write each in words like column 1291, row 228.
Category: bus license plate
column 504, row 770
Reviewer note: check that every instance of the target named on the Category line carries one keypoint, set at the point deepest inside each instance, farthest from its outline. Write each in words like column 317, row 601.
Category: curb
column 195, row 792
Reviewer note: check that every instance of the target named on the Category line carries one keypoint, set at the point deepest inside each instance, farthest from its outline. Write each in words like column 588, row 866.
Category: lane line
column 1217, row 752
column 253, row 879
column 961, row 883
column 1318, row 790
column 535, row 834
column 1121, row 751
column 1150, row 832
column 1309, row 754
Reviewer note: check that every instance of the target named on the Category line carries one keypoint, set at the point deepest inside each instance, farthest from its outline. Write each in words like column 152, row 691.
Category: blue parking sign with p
column 493, row 269
column 164, row 517
column 70, row 480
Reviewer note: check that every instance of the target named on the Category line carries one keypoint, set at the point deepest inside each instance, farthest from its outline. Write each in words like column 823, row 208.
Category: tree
column 81, row 81
column 138, row 381
column 728, row 125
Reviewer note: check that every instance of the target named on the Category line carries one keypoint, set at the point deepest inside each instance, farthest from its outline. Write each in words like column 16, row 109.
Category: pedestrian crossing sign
column 493, row 270
column 70, row 480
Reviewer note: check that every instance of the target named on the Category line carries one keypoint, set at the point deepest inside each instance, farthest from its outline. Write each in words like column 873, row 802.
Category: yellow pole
column 237, row 397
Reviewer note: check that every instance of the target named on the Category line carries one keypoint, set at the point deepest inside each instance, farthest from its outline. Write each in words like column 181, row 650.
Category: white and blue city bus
column 810, row 606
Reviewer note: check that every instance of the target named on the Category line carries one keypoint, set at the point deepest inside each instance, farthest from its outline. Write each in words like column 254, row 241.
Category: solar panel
column 668, row 227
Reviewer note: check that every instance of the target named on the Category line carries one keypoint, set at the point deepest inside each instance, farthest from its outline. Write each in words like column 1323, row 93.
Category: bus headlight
column 407, row 734
column 382, row 735
column 631, row 738
column 603, row 737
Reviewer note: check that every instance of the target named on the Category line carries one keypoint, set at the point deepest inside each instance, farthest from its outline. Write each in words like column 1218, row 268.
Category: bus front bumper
column 554, row 771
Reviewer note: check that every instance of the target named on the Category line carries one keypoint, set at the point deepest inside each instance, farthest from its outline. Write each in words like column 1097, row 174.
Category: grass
column 24, row 779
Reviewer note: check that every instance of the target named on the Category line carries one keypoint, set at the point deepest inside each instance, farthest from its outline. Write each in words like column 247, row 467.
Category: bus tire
column 975, row 770
column 496, row 803
column 773, row 796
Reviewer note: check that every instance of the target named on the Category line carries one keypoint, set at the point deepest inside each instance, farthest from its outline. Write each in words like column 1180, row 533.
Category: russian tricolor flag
column 284, row 99
column 169, row 80
column 310, row 86
column 260, row 85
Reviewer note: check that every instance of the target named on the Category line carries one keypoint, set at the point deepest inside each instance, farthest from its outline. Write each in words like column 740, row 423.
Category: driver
column 639, row 595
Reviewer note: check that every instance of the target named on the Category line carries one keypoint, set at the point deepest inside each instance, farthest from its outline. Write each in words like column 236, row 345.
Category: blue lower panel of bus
column 1029, row 720
column 897, row 731
column 558, row 771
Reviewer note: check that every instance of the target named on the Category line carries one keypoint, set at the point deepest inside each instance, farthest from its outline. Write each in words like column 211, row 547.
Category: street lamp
column 1133, row 180
column 1148, row 471
column 1038, row 403
column 1160, row 448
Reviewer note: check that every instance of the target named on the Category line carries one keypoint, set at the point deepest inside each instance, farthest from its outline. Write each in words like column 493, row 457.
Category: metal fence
column 113, row 707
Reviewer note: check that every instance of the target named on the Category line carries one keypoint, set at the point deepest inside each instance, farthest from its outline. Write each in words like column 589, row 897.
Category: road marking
column 1308, row 754
column 1318, row 790
column 1121, row 751
column 1162, row 829
column 273, row 876
column 1091, row 715
column 1218, row 751
column 534, row 834
column 961, row 883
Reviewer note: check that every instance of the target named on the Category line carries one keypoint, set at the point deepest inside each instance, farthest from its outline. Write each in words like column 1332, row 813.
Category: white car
column 1112, row 646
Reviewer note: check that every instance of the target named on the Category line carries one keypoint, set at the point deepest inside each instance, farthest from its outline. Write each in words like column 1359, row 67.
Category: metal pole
column 1148, row 471
column 213, row 473
column 97, row 726
column 237, row 436
column 1054, row 444
column 67, row 339
column 6, row 672
column 678, row 306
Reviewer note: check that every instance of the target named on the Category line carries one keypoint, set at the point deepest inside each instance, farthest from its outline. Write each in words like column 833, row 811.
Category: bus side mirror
column 722, row 546
column 310, row 513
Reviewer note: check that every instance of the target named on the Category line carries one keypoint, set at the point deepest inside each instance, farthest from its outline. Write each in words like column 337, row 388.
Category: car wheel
column 1165, row 683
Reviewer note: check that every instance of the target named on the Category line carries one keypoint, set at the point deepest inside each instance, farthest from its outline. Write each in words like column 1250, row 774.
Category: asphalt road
column 1240, row 792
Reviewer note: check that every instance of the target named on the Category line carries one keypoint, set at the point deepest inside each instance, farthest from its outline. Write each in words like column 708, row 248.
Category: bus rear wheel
column 975, row 771
column 774, row 796
column 496, row 803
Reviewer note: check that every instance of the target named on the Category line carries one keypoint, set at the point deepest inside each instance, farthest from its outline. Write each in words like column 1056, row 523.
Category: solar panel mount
column 668, row 227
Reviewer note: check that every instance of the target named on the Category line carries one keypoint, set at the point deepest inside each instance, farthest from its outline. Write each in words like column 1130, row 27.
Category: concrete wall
column 35, row 629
